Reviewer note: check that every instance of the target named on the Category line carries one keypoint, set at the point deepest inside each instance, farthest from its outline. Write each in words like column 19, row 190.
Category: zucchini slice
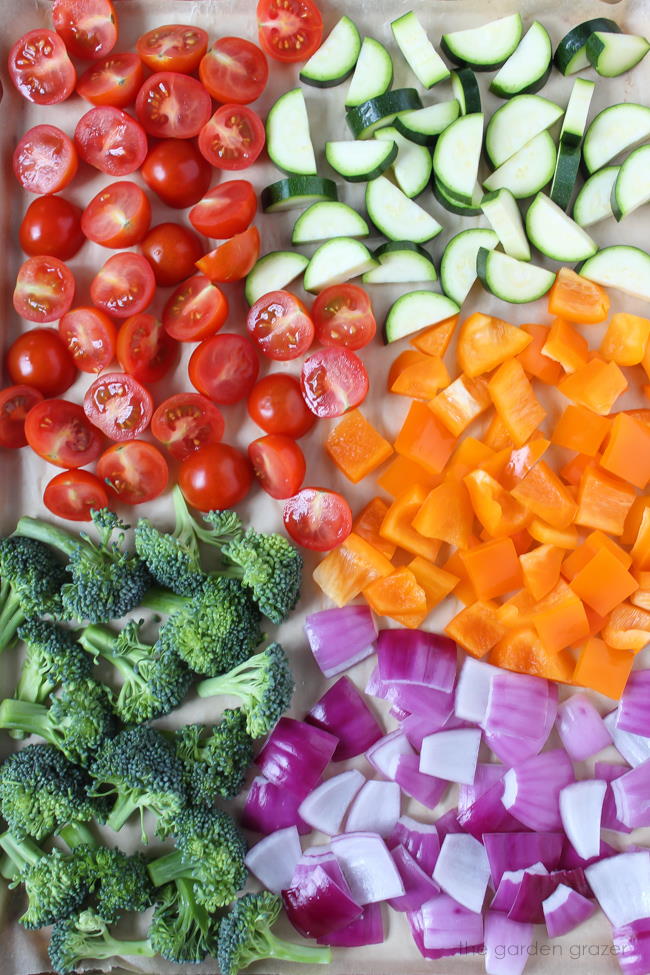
column 632, row 187
column 614, row 54
column 273, row 272
column 357, row 161
column 419, row 53
column 517, row 282
column 322, row 221
column 412, row 167
column 528, row 67
column 614, row 130
column 487, row 47
column 466, row 91
column 594, row 201
column 502, row 211
column 397, row 217
column 337, row 261
column 415, row 311
column 458, row 264
column 297, row 191
column 365, row 118
column 516, row 123
column 425, row 124
column 622, row 267
column 450, row 203
column 565, row 175
column 373, row 74
column 555, row 234
column 401, row 262
column 574, row 122
column 335, row 59
column 457, row 155
column 528, row 171
column 288, row 141
column 571, row 52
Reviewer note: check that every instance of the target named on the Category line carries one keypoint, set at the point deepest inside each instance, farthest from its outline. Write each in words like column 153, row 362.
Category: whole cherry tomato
column 177, row 172
column 51, row 225
column 172, row 250
column 39, row 358
column 276, row 404
column 216, row 477
column 15, row 404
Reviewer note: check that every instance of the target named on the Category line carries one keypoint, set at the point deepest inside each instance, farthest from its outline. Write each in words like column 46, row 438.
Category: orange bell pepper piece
column 573, row 470
column 634, row 518
column 435, row 339
column 522, row 541
column 461, row 403
column 627, row 454
column 476, row 628
column 421, row 379
column 399, row 597
column 469, row 453
column 496, row 509
column 541, row 569
column 446, row 514
column 628, row 628
column 397, row 525
column 641, row 549
column 566, row 346
column 597, row 386
column 515, row 401
column 596, row 622
column 545, row 534
column 518, row 610
column 604, row 582
column 560, row 619
column 408, row 357
column 493, row 568
column 348, row 569
column 542, row 492
column 522, row 460
column 424, row 439
column 576, row 299
column 581, row 430
column 535, row 363
column 402, row 473
column 485, row 342
column 603, row 668
column 640, row 414
column 356, row 447
column 522, row 650
column 641, row 597
column 497, row 436
column 436, row 582
column 367, row 525
column 603, row 501
column 464, row 590
column 626, row 339
column 592, row 544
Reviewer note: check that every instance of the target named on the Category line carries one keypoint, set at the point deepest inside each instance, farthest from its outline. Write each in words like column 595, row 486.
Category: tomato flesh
column 332, row 381
column 45, row 160
column 88, row 27
column 115, row 80
column 144, row 349
column 232, row 260
column 233, row 138
column 279, row 464
column 111, row 141
column 234, row 70
column 289, row 30
column 280, row 326
column 59, row 432
column 172, row 250
column 317, row 519
column 134, row 471
column 172, row 105
column 90, row 336
column 124, row 286
column 195, row 310
column 118, row 216
column 186, row 422
column 119, row 405
column 15, row 404
column 40, row 68
column 343, row 315
column 276, row 404
column 224, row 368
column 226, row 210
column 74, row 495
column 51, row 225
column 216, row 477
column 177, row 172
column 173, row 47
column 44, row 289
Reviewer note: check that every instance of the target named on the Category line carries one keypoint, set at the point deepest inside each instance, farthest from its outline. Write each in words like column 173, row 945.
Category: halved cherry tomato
column 111, row 141
column 44, row 289
column 61, row 433
column 135, row 471
column 118, row 216
column 115, row 80
column 234, row 259
column 195, row 310
column 279, row 464
column 45, row 160
column 224, row 367
column 124, row 285
column 172, row 105
column 177, row 172
column 343, row 315
column 216, row 477
column 234, row 70
column 289, row 30
column 40, row 68
column 15, row 404
column 186, row 422
column 88, row 27
column 173, row 47
column 233, row 138
column 51, row 225
column 332, row 381
column 144, row 349
column 118, row 405
column 317, row 518
column 74, row 494
column 280, row 326
column 276, row 404
column 90, row 336
column 226, row 210
column 39, row 358
column 172, row 250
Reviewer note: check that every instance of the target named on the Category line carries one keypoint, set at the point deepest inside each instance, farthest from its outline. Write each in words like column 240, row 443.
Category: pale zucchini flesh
column 504, row 216
column 528, row 67
column 632, row 187
column 365, row 118
column 415, row 311
column 358, row 161
column 401, row 262
column 555, row 234
column 574, row 122
column 622, row 267
column 517, row 282
column 335, row 59
column 450, row 203
column 418, row 51
column 457, row 155
column 425, row 124
column 594, row 201
column 528, row 171
column 397, row 217
column 335, row 262
column 614, row 54
column 288, row 140
column 373, row 73
column 412, row 165
column 273, row 272
column 571, row 52
column 485, row 47
column 516, row 123
column 613, row 131
column 324, row 220
column 458, row 265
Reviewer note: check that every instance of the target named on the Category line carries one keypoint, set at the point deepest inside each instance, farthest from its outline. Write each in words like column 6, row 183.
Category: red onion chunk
column 487, row 814
column 322, row 858
column 416, row 727
column 473, row 689
column 416, row 925
column 581, row 728
column 621, row 885
column 507, row 944
column 343, row 712
column 486, row 776
column 419, row 887
column 571, row 861
column 398, row 713
column 367, row 929
column 319, row 905
column 417, row 657
column 516, row 851
column 517, row 701
column 632, row 946
column 449, row 925
column 535, row 888
column 635, row 749
column 564, row 910
column 295, row 755
column 269, row 808
column 425, row 788
column 581, row 809
column 412, row 698
column 463, row 870
column 451, row 755
column 325, row 808
column 631, row 793
column 273, row 860
column 608, row 771
column 367, row 867
column 509, row 885
column 340, row 638
column 419, row 839
column 448, row 823
column 634, row 709
column 385, row 754
column 532, row 789
column 375, row 809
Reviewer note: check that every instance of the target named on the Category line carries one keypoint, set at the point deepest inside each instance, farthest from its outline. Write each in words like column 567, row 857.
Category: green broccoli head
column 121, row 883
column 182, row 931
column 173, row 559
column 56, row 885
column 211, row 845
column 41, row 791
column 215, row 765
column 271, row 567
column 32, row 579
column 53, row 657
column 86, row 937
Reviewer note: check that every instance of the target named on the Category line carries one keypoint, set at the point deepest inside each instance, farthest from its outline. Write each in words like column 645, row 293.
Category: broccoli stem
column 167, row 868
column 42, row 531
column 22, row 853
column 11, row 616
column 100, row 641
column 161, row 601
column 26, row 716
column 32, row 686
column 267, row 945
column 240, row 682
column 123, row 808
column 109, row 946
column 97, row 639
column 78, row 834
column 7, row 868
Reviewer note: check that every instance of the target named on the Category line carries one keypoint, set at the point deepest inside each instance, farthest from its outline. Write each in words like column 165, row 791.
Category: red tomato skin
column 186, row 422
column 37, row 274
column 343, row 315
column 325, row 398
column 43, row 428
column 232, row 260
column 125, row 68
column 118, row 216
column 277, row 406
column 74, row 494
column 214, row 478
column 193, row 41
column 172, row 250
column 302, row 34
column 279, row 325
column 226, row 210
column 245, row 132
column 39, row 358
column 177, row 172
column 317, row 518
column 15, row 404
column 279, row 465
column 111, row 141
column 39, row 142
column 88, row 27
column 208, row 310
column 51, row 225
column 127, row 269
column 193, row 101
column 40, row 68
column 224, row 368
column 90, row 337
column 243, row 59
column 144, row 349
column 135, row 471
column 118, row 405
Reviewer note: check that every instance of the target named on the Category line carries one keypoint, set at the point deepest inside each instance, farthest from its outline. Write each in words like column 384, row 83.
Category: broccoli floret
column 182, row 930
column 210, row 851
column 271, row 567
column 140, row 769
column 264, row 683
column 121, row 883
column 53, row 657
column 87, row 937
column 41, row 791
column 154, row 678
column 31, row 585
column 77, row 722
column 107, row 581
column 173, row 558
column 216, row 765
column 245, row 936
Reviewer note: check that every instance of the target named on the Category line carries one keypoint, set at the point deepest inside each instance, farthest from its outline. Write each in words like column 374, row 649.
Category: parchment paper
column 23, row 476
